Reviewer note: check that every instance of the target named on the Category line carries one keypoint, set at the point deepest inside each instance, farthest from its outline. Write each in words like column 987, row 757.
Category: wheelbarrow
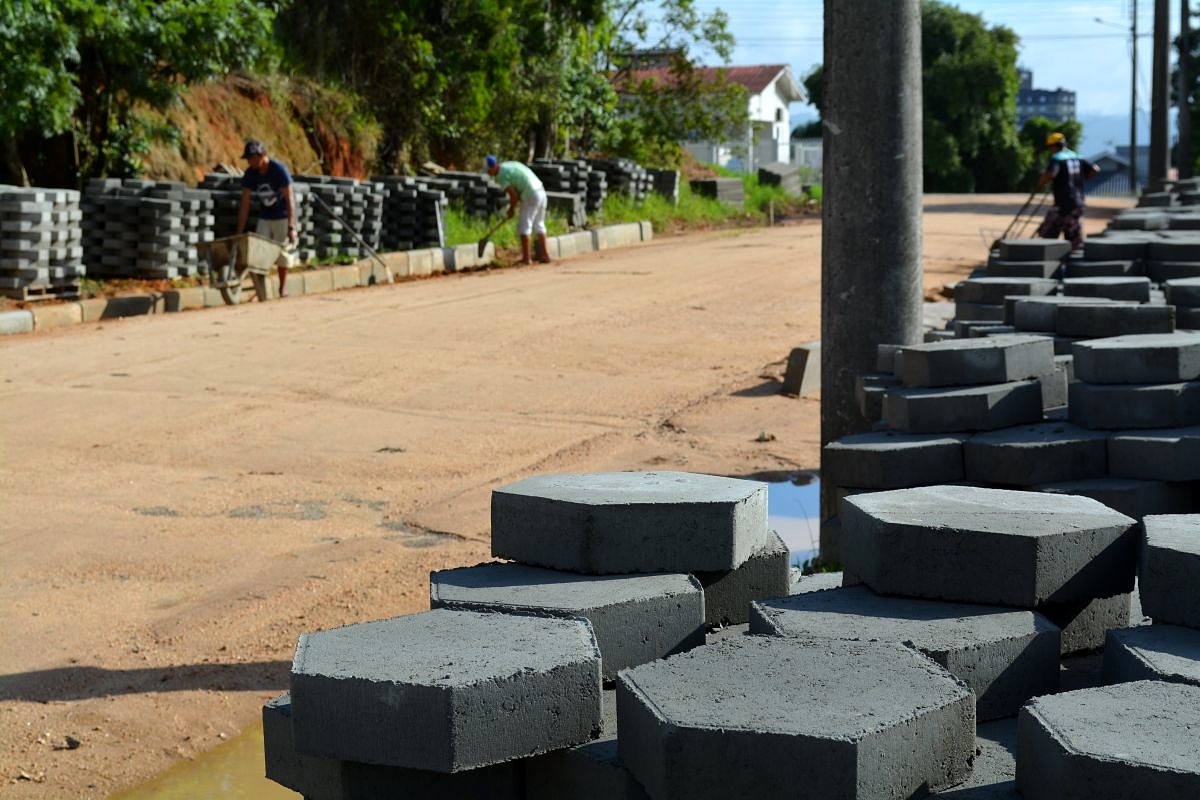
column 233, row 258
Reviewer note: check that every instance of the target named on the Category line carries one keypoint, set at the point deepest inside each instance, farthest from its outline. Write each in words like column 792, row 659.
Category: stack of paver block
column 906, row 685
column 475, row 192
column 666, row 183
column 41, row 248
column 1184, row 295
column 785, row 176
column 569, row 205
column 727, row 190
column 413, row 214
column 624, row 175
column 226, row 194
column 144, row 229
column 360, row 204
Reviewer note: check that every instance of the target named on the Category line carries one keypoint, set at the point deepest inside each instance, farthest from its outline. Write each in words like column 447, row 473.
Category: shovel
column 483, row 242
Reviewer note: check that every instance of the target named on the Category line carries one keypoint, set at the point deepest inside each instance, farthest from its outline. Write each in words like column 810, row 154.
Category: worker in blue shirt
column 1068, row 172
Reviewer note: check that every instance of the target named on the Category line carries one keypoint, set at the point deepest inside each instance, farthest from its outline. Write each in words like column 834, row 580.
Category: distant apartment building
column 1054, row 104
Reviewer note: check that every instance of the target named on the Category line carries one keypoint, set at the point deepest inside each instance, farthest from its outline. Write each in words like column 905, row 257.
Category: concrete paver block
column 802, row 377
column 893, row 460
column 1183, row 291
column 58, row 315
column 992, row 291
column 1117, row 406
column 1113, row 248
column 1169, row 570
column 20, row 321
column 647, row 230
column 213, row 299
column 1103, row 269
column 980, row 312
column 1124, row 741
column 345, row 277
column 824, row 718
column 1152, row 653
column 1136, row 289
column 1098, row 321
column 885, row 358
column 817, row 582
column 963, row 408
column 316, row 281
column 1164, row 455
column 962, row 362
column 728, row 594
column 630, row 521
column 1004, row 268
column 991, row 546
column 636, row 618
column 397, row 262
column 183, row 299
column 1041, row 453
column 592, row 771
column 1131, row 496
column 446, row 691
column 994, row 776
column 1143, row 358
column 869, row 389
column 1084, row 623
column 1005, row 655
column 1163, row 271
column 623, row 235
column 1040, row 314
column 1034, row 249
column 318, row 778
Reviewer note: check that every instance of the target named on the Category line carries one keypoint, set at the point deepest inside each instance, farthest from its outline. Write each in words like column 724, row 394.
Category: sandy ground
column 181, row 496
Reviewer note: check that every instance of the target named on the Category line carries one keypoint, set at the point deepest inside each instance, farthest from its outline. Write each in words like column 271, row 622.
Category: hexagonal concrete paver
column 621, row 522
column 1132, row 740
column 774, row 717
column 1169, row 572
column 990, row 546
column 1139, row 358
column 446, row 690
column 1005, row 655
column 728, row 593
column 1152, row 653
column 637, row 618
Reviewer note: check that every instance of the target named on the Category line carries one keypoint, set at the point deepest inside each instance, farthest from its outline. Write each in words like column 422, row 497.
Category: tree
column 1033, row 137
column 814, row 87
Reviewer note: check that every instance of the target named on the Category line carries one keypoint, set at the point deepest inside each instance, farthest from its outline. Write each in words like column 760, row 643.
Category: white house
column 771, row 87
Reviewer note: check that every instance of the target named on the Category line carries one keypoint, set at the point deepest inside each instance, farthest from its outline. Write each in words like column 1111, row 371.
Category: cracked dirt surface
column 181, row 496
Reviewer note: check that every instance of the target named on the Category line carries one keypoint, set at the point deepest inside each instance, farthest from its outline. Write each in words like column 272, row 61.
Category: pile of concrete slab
column 414, row 216
column 728, row 190
column 574, row 176
column 624, row 176
column 144, row 229
column 41, row 249
column 907, row 684
column 785, row 176
column 666, row 183
column 475, row 192
column 226, row 194
column 359, row 204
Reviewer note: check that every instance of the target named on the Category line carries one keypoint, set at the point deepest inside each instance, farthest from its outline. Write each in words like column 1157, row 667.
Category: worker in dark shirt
column 1068, row 172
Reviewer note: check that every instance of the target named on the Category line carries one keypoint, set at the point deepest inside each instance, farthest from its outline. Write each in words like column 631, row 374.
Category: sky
column 1067, row 49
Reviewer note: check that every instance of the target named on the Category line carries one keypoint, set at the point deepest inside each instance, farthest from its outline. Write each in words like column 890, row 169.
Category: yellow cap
column 1055, row 138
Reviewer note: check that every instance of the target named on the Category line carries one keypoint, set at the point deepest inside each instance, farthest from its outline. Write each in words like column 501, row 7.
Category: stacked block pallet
column 574, row 176
column 413, row 214
column 41, row 248
column 475, row 192
column 226, row 194
column 625, row 176
column 359, row 204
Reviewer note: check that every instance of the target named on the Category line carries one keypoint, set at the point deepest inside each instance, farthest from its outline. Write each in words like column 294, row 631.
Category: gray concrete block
column 1118, row 407
column 984, row 312
column 636, row 618
column 446, row 691
column 1005, row 655
column 1174, row 249
column 980, row 331
column 318, row 778
column 16, row 322
column 990, row 546
column 885, row 358
column 1136, row 289
column 1187, row 318
column 1126, row 248
column 816, row 582
column 992, row 291
column 1034, row 249
column 1144, row 358
column 868, row 393
column 1132, row 740
column 937, row 336
column 1163, row 455
column 592, row 771
column 1005, row 268
column 1055, row 385
column 622, row 235
column 825, row 718
column 1084, row 623
column 1152, row 653
column 1132, row 497
column 893, row 460
column 1040, row 314
column 728, row 594
column 629, row 521
column 1040, row 453
column 1183, row 291
column 802, row 377
column 1102, row 320
column 1169, row 569
column 965, row 408
column 1163, row 271
column 1102, row 269
column 994, row 776
column 962, row 362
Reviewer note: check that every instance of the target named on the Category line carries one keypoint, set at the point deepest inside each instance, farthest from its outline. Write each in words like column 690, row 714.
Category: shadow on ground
column 85, row 682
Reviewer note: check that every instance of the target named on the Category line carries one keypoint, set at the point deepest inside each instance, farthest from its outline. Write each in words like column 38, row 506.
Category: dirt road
column 181, row 496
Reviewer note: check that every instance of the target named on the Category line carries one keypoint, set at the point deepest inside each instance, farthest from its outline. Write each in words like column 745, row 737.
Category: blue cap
column 491, row 161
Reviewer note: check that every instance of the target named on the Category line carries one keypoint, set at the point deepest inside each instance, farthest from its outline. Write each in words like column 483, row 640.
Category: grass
column 462, row 228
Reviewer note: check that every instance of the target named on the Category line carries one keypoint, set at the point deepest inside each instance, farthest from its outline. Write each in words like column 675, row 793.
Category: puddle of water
column 231, row 771
column 794, row 510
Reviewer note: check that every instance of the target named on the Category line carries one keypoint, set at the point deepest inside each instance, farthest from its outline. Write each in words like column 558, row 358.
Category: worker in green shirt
column 524, row 190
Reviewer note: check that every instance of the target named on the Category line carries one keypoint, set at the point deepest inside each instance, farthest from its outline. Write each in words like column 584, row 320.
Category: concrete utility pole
column 1133, row 151
column 871, row 233
column 1159, row 102
column 1185, row 81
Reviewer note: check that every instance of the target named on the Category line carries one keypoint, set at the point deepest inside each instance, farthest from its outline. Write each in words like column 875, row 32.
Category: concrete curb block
column 366, row 272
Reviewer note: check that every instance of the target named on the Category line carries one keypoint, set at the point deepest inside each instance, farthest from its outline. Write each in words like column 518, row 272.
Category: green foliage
column 693, row 210
column 464, row 228
column 36, row 46
column 1033, row 138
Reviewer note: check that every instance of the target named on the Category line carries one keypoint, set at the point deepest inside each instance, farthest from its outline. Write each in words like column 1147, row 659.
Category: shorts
column 277, row 231
column 533, row 214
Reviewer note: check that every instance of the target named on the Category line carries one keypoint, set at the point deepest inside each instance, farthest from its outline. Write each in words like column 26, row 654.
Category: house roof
column 755, row 78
